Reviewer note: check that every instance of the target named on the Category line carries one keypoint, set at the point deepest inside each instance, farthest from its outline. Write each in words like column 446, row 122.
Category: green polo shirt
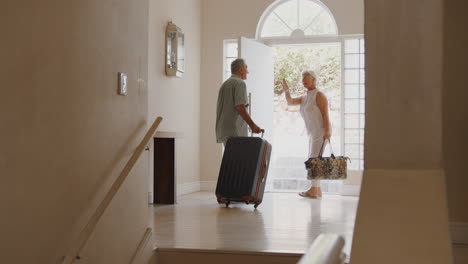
column 229, row 123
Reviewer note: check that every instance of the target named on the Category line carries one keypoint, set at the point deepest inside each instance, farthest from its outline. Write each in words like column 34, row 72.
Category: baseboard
column 459, row 232
column 208, row 186
column 186, row 188
column 150, row 197
column 350, row 190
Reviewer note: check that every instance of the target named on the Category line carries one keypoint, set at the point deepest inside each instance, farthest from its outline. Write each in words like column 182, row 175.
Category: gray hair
column 313, row 74
column 237, row 64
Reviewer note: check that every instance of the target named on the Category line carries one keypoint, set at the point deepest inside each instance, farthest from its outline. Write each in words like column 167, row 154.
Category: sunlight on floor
column 284, row 222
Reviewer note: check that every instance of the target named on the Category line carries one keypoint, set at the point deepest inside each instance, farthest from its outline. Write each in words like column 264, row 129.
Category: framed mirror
column 175, row 51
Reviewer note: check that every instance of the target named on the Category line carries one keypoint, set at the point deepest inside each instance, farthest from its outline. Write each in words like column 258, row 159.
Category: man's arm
column 243, row 113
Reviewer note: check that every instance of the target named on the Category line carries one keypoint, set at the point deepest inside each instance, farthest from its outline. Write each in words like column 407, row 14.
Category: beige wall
column 403, row 106
column 221, row 19
column 455, row 125
column 403, row 188
column 177, row 100
column 65, row 133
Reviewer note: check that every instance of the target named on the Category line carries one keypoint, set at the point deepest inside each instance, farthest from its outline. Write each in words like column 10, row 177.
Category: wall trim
column 186, row 188
column 208, row 186
column 459, row 232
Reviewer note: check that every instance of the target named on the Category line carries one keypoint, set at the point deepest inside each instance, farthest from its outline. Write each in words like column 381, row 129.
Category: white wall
column 177, row 100
column 65, row 134
column 221, row 19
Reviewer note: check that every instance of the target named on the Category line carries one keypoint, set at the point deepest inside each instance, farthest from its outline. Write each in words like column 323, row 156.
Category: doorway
column 339, row 62
column 287, row 172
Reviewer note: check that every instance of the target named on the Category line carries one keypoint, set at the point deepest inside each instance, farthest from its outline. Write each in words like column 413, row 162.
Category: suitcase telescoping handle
column 263, row 131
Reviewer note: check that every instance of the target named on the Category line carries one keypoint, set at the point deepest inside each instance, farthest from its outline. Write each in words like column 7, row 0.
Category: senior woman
column 314, row 111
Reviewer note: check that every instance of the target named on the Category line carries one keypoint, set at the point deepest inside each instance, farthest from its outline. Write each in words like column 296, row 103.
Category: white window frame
column 343, row 102
column 270, row 9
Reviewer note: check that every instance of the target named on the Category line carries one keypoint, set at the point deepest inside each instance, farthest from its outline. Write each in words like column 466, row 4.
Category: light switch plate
column 122, row 90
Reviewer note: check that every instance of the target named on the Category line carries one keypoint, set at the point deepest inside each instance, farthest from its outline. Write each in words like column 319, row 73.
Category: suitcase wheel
column 227, row 203
column 256, row 205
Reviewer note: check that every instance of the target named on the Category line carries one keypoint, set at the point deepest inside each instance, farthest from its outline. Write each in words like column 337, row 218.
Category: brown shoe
column 307, row 195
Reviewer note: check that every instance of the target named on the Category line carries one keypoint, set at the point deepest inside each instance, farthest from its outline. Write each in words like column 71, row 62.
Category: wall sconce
column 175, row 50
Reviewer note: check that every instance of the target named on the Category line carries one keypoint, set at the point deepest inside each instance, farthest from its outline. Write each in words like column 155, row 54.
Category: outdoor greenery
column 291, row 61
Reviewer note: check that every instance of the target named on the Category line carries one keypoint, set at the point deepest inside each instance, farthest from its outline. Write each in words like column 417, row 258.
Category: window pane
column 362, row 61
column 362, row 76
column 353, row 164
column 314, row 19
column 308, row 12
column 362, row 120
column 351, row 76
column 352, row 61
column 288, row 13
column 351, row 91
column 361, row 136
column 231, row 49
column 352, row 151
column 352, row 106
column 362, row 92
column 323, row 24
column 308, row 16
column 351, row 120
column 361, row 164
column 351, row 136
column 273, row 27
column 362, row 106
column 352, row 46
column 361, row 46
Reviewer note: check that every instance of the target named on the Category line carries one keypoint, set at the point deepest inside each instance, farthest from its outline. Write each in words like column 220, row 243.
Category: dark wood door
column 164, row 176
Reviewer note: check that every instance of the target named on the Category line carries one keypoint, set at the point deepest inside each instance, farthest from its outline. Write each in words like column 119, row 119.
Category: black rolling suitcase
column 244, row 168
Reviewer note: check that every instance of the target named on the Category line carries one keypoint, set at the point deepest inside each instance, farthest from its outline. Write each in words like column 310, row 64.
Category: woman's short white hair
column 313, row 74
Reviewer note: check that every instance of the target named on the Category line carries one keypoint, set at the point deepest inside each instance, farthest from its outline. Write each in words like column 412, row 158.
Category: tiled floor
column 284, row 222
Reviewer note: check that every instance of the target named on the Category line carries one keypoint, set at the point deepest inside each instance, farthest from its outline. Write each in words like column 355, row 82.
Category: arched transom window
column 297, row 18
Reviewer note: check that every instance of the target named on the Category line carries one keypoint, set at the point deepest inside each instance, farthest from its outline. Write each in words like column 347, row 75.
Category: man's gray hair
column 236, row 65
column 313, row 74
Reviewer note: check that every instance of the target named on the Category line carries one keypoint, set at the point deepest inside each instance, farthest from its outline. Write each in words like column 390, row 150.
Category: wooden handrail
column 326, row 249
column 91, row 225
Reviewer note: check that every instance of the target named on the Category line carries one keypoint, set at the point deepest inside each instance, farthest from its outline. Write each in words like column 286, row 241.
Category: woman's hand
column 285, row 85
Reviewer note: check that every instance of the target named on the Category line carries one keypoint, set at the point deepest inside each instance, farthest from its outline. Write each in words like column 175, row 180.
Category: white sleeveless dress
column 313, row 120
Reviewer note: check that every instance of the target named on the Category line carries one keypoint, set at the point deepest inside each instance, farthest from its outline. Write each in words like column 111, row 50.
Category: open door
column 260, row 82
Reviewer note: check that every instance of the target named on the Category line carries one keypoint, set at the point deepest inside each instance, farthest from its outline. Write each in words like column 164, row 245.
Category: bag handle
column 252, row 133
column 322, row 148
